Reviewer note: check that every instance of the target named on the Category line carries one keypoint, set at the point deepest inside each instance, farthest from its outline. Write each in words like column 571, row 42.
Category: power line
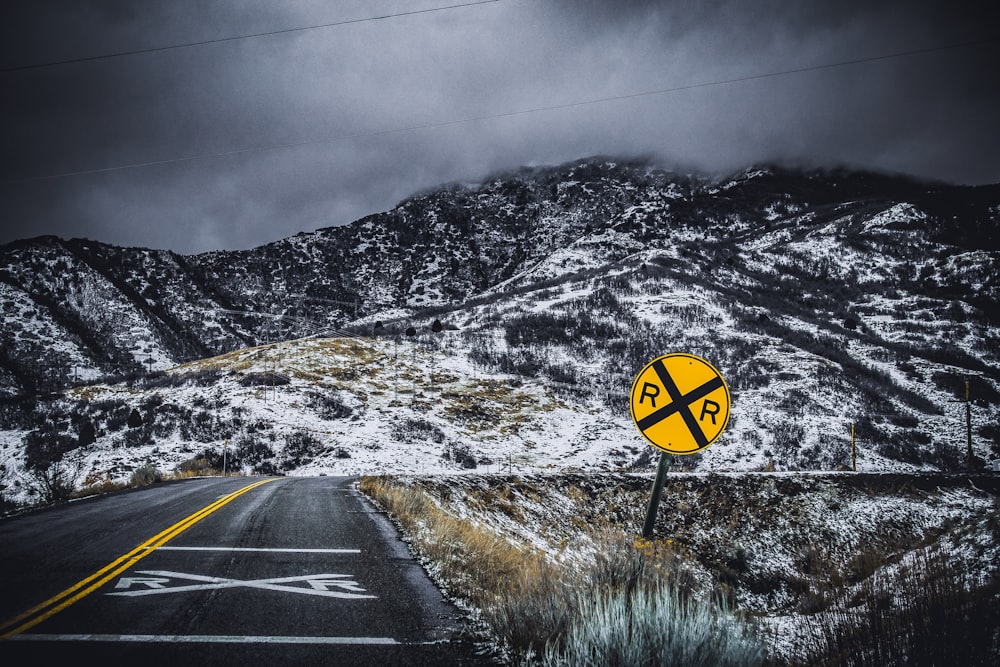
column 505, row 114
column 221, row 40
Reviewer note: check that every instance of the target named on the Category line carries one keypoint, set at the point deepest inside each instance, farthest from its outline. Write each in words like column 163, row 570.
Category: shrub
column 267, row 467
column 536, row 329
column 329, row 406
column 165, row 420
column 653, row 627
column 206, row 377
column 300, row 448
column 250, row 451
column 116, row 414
column 87, row 434
column 151, row 402
column 134, row 419
column 602, row 300
column 536, row 607
column 562, row 373
column 145, row 475
column 196, row 467
column 54, row 482
column 46, row 445
column 16, row 412
column 419, row 430
column 787, row 439
column 464, row 457
column 160, row 380
column 202, row 426
column 264, row 380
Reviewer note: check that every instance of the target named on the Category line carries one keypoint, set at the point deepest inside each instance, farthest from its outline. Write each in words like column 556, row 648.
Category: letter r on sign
column 651, row 390
column 706, row 411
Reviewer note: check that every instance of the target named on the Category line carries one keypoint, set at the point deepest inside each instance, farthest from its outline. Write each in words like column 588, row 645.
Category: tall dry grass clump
column 654, row 625
column 473, row 562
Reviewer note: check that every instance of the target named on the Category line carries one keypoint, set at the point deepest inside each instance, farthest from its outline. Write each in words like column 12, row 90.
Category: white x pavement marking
column 157, row 582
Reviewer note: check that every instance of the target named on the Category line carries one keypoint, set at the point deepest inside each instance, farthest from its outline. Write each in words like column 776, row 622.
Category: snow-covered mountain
column 826, row 298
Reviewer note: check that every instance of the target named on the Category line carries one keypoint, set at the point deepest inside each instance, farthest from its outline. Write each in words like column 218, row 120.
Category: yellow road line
column 85, row 587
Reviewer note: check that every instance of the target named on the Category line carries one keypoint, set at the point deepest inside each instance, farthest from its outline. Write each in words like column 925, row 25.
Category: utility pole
column 411, row 334
column 854, row 451
column 968, row 430
column 395, row 366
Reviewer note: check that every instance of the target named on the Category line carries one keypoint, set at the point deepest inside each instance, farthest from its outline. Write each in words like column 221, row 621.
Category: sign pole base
column 654, row 498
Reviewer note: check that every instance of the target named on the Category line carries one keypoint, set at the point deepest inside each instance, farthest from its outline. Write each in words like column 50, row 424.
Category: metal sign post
column 654, row 496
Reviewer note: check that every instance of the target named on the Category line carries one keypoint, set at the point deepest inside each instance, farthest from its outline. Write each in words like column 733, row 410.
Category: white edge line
column 205, row 639
column 294, row 551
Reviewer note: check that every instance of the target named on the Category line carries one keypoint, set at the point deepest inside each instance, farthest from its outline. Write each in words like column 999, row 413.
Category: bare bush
column 925, row 613
column 329, row 406
column 54, row 483
column 300, row 449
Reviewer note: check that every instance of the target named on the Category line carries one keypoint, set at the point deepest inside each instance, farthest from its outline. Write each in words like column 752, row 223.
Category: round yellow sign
column 680, row 403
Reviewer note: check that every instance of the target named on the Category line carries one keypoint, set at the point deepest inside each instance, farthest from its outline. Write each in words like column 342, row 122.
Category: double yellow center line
column 85, row 587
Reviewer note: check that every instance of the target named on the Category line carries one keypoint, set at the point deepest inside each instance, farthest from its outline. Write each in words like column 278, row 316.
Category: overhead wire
column 504, row 114
column 220, row 40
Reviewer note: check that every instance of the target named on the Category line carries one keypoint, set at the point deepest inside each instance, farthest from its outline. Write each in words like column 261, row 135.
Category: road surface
column 222, row 571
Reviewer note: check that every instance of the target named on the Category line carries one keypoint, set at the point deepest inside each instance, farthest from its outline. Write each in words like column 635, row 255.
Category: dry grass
column 196, row 467
column 510, row 583
column 475, row 563
column 528, row 600
column 95, row 484
column 851, row 603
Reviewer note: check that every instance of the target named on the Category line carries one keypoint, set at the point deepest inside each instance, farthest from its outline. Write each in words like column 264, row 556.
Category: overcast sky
column 239, row 142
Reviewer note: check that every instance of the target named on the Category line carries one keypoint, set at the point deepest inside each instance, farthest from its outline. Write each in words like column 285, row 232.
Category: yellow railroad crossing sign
column 680, row 403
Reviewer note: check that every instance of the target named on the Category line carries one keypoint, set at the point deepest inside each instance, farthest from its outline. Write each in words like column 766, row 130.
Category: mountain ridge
column 831, row 300
column 445, row 246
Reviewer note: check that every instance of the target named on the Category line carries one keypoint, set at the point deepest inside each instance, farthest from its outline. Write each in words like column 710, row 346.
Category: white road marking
column 128, row 582
column 289, row 551
column 207, row 639
column 318, row 584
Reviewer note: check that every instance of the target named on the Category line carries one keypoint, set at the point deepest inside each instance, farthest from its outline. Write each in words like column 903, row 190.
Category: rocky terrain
column 502, row 322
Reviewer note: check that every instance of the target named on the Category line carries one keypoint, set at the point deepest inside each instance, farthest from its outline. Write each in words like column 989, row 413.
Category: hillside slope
column 828, row 299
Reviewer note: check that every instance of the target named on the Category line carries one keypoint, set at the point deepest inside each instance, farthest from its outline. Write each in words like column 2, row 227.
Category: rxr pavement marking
column 156, row 583
column 81, row 589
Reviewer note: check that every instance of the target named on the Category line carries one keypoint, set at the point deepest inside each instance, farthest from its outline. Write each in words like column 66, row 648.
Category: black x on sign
column 680, row 403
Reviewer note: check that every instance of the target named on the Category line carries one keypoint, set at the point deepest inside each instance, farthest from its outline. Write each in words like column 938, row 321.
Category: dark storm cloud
column 307, row 129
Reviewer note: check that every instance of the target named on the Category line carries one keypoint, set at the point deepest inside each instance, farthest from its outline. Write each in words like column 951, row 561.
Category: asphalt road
column 294, row 571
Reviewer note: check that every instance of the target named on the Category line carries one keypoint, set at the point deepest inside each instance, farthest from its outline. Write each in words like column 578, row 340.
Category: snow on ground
column 412, row 406
column 781, row 545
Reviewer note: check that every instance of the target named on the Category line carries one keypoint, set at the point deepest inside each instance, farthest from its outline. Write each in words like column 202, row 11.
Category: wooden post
column 854, row 451
column 968, row 430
